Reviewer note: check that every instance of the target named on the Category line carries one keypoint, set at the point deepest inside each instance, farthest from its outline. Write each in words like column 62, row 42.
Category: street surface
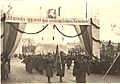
column 19, row 75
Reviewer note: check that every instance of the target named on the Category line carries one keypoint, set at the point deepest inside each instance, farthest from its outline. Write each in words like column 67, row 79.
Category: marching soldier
column 39, row 63
column 110, row 49
column 49, row 62
column 28, row 60
column 61, row 65
column 69, row 61
column 74, row 67
column 80, row 68
column 5, row 69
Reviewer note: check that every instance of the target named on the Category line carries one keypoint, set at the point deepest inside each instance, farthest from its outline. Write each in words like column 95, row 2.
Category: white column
column 1, row 33
column 96, row 35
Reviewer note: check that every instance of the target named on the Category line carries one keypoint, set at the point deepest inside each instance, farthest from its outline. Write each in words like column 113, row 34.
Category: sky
column 108, row 12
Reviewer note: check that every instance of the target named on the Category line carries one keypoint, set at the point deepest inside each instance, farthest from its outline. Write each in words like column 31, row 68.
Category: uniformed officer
column 29, row 63
column 69, row 60
column 61, row 65
column 39, row 63
column 49, row 62
column 81, row 68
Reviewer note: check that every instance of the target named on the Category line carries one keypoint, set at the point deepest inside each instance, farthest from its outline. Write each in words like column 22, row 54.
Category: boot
column 61, row 79
column 49, row 80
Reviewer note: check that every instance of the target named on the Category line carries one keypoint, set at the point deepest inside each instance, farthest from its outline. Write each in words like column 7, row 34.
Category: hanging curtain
column 18, row 38
column 85, row 38
column 6, row 28
column 11, row 37
column 11, row 40
column 77, row 28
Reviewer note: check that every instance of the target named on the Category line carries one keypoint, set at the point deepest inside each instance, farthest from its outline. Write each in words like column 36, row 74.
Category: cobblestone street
column 19, row 75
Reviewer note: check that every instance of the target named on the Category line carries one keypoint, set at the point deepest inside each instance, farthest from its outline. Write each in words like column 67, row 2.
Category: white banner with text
column 38, row 20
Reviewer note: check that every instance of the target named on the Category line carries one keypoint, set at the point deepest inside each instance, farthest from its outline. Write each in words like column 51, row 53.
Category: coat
column 80, row 69
column 61, row 66
column 69, row 60
column 49, row 62
column 39, row 62
column 29, row 62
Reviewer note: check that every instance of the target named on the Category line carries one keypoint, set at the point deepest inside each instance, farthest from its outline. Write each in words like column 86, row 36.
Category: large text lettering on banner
column 68, row 21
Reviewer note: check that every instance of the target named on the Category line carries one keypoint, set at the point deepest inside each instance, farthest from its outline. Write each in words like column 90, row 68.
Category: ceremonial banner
column 85, row 38
column 11, row 37
column 38, row 20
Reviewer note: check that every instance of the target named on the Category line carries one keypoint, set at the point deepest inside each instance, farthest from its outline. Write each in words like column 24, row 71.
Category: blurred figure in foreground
column 49, row 62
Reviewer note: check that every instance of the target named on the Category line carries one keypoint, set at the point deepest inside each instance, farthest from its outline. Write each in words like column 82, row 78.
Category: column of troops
column 107, row 58
column 56, row 63
column 82, row 64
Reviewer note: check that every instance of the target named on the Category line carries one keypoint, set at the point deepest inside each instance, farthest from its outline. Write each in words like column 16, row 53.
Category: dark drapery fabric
column 9, row 39
column 18, row 38
column 85, row 38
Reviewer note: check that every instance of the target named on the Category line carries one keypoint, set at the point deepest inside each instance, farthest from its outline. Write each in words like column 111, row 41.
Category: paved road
column 19, row 75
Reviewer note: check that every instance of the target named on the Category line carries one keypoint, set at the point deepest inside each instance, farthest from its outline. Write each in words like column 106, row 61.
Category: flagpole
column 110, row 67
column 86, row 9
column 40, row 12
column 59, row 11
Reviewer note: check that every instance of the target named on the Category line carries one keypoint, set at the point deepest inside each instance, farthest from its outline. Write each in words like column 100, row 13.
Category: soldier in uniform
column 38, row 63
column 20, row 56
column 110, row 49
column 49, row 62
column 29, row 65
column 74, row 67
column 61, row 65
column 80, row 68
column 69, row 60
column 4, row 69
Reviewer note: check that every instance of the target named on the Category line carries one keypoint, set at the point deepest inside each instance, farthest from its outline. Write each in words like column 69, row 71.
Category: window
column 42, row 38
column 53, row 27
column 62, row 38
column 53, row 38
column 62, row 27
